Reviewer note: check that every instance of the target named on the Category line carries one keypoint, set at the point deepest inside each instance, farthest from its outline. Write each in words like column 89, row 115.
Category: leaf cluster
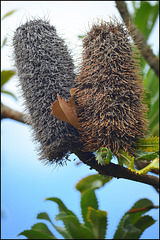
column 145, row 16
column 146, row 150
column 6, row 75
column 95, row 222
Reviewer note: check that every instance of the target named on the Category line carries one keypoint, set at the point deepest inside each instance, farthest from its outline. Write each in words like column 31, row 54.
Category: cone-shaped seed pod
column 109, row 90
column 45, row 68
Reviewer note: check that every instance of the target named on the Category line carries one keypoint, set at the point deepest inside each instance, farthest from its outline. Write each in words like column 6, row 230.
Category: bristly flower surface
column 45, row 68
column 109, row 96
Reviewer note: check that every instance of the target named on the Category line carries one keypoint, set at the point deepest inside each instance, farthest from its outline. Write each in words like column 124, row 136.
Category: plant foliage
column 95, row 221
column 94, row 225
column 145, row 16
column 6, row 75
column 147, row 149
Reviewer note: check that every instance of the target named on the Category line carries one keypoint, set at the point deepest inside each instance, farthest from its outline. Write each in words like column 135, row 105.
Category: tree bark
column 115, row 170
column 7, row 112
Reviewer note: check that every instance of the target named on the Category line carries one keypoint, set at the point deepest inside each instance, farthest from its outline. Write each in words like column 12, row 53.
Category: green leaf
column 6, row 75
column 154, row 112
column 150, row 144
column 81, row 36
column 129, row 162
column 70, row 220
column 133, row 224
column 61, row 206
column 63, row 231
column 149, row 13
column 94, row 181
column 76, row 230
column 88, row 199
column 44, row 216
column 126, row 159
column 99, row 158
column 155, row 129
column 8, row 14
column 104, row 156
column 147, row 98
column 142, row 203
column 86, row 186
column 64, row 215
column 126, row 230
column 38, row 231
column 71, row 224
column 144, row 222
column 98, row 220
column 142, row 155
column 4, row 42
column 151, row 83
column 7, row 92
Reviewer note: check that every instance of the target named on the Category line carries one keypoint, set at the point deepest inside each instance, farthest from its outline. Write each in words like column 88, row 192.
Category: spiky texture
column 109, row 90
column 45, row 68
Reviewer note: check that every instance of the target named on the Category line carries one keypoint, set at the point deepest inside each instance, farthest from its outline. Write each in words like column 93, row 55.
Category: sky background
column 25, row 181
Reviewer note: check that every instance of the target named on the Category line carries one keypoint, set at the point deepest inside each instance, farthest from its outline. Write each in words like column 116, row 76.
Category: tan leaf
column 72, row 91
column 65, row 110
column 58, row 112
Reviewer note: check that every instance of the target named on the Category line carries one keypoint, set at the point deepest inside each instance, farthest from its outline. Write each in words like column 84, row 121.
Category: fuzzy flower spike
column 45, row 69
column 109, row 96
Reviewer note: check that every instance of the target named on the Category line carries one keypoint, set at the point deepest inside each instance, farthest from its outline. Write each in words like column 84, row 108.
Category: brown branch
column 115, row 170
column 138, row 37
column 7, row 112
column 89, row 158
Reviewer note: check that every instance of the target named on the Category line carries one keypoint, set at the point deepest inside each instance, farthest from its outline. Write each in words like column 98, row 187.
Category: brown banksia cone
column 109, row 96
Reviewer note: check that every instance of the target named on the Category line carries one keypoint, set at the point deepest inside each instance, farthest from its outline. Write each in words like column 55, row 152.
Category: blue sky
column 25, row 181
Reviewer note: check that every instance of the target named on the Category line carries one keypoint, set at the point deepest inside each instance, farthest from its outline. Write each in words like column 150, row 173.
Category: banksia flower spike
column 45, row 69
column 109, row 90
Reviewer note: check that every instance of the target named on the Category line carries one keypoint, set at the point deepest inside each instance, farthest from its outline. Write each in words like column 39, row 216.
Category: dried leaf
column 65, row 110
column 57, row 111
column 72, row 91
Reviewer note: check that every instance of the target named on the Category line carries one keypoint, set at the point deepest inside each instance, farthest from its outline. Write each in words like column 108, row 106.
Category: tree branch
column 138, row 37
column 115, row 170
column 89, row 158
column 7, row 112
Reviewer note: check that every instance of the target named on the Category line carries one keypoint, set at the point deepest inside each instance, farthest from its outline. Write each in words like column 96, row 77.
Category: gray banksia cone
column 45, row 68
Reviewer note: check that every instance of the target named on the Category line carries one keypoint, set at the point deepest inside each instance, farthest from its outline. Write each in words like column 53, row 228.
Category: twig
column 7, row 112
column 138, row 37
column 89, row 158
